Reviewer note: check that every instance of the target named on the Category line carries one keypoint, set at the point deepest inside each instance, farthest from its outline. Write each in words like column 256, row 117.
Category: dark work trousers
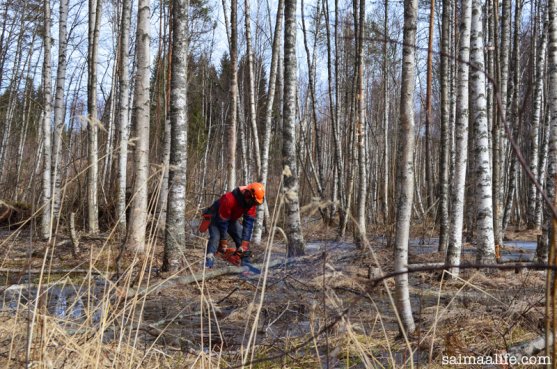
column 234, row 230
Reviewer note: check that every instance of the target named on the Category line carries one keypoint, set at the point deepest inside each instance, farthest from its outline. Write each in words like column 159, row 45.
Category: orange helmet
column 258, row 192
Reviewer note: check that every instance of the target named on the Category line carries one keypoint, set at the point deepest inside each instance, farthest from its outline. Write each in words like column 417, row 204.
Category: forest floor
column 327, row 309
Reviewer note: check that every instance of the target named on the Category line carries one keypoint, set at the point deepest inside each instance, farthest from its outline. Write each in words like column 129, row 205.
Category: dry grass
column 318, row 311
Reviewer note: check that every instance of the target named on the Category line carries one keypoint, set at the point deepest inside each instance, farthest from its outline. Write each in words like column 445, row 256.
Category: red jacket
column 231, row 207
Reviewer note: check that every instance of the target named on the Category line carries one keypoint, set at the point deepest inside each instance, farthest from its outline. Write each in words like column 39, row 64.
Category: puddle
column 512, row 250
column 321, row 246
column 69, row 303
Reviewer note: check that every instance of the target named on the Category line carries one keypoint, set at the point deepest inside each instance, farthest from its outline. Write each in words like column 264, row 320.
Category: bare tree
column 535, row 130
column 290, row 175
column 549, row 230
column 405, row 176
column 428, row 162
column 499, row 144
column 59, row 111
column 269, row 114
column 386, row 103
column 231, row 152
column 485, row 242
column 445, row 133
column 175, row 237
column 139, row 210
column 361, row 131
column 123, row 114
column 461, row 141
column 92, row 128
column 46, row 220
column 251, row 79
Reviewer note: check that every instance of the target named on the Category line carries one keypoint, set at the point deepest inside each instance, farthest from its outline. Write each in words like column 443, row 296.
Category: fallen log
column 178, row 280
column 531, row 347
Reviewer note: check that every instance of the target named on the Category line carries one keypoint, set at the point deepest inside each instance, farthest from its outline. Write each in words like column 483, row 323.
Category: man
column 222, row 217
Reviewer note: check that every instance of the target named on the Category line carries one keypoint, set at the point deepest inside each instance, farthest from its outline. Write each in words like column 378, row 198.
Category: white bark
column 503, row 83
column 59, row 108
column 361, row 133
column 93, row 155
column 485, row 242
column 175, row 236
column 552, row 149
column 252, row 91
column 461, row 141
column 386, row 103
column 139, row 206
column 275, row 56
column 405, row 177
column 123, row 115
column 445, row 137
column 290, row 175
column 535, row 130
column 46, row 221
column 231, row 136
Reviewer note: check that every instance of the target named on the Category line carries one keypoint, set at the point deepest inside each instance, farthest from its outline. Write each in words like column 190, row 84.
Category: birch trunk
column 461, row 141
column 445, row 137
column 252, row 92
column 123, row 115
column 515, row 114
column 386, row 103
column 503, row 83
column 361, row 133
column 175, row 236
column 92, row 129
column 275, row 56
column 46, row 220
column 59, row 111
column 231, row 164
column 290, row 174
column 139, row 206
column 534, row 132
column 552, row 150
column 405, row 177
column 429, row 181
column 485, row 242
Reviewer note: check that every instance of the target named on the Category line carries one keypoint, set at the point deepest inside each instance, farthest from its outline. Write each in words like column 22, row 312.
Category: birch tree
column 461, row 141
column 139, row 210
column 405, row 175
column 175, row 237
column 535, row 130
column 549, row 224
column 46, row 220
column 386, row 103
column 92, row 119
column 275, row 56
column 445, row 134
column 251, row 82
column 499, row 144
column 360, row 131
column 485, row 242
column 123, row 114
column 231, row 152
column 59, row 111
column 290, row 174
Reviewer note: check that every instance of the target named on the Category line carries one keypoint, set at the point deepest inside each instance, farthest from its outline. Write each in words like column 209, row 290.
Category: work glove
column 243, row 250
column 223, row 245
column 244, row 246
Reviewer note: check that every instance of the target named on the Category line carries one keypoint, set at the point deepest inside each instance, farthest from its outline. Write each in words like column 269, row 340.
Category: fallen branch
column 53, row 271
